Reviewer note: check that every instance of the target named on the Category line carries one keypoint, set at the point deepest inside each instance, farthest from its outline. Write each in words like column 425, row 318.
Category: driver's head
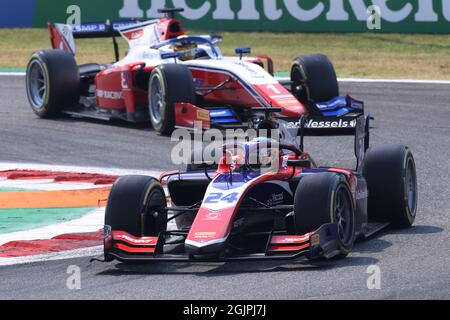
column 186, row 48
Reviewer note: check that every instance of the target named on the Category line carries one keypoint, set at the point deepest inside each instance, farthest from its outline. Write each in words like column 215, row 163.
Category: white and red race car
column 173, row 80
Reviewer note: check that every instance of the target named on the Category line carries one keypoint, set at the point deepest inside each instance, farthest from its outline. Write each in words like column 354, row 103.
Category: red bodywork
column 115, row 89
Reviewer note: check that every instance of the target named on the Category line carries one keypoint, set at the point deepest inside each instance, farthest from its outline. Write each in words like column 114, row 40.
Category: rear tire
column 390, row 172
column 135, row 206
column 314, row 79
column 52, row 82
column 168, row 84
column 325, row 198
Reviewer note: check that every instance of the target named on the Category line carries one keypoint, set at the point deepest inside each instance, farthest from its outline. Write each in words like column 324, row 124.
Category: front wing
column 322, row 242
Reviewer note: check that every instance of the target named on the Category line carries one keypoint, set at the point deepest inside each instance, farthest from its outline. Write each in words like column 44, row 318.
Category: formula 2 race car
column 245, row 209
column 172, row 80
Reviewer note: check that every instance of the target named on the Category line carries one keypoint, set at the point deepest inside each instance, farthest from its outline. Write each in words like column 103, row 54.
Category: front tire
column 135, row 206
column 390, row 172
column 322, row 198
column 168, row 84
column 52, row 82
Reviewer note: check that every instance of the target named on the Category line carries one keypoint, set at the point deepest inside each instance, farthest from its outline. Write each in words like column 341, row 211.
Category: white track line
column 360, row 80
column 46, row 167
column 400, row 81
column 70, row 254
column 90, row 222
column 48, row 185
column 12, row 74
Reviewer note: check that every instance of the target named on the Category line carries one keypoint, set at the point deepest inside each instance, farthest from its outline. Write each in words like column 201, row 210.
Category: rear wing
column 325, row 122
column 62, row 35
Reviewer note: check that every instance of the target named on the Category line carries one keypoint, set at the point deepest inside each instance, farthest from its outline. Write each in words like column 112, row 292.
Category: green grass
column 12, row 220
column 354, row 55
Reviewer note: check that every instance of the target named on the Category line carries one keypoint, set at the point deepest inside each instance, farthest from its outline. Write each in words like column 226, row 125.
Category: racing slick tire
column 390, row 172
column 314, row 79
column 52, row 82
column 169, row 84
column 325, row 198
column 135, row 206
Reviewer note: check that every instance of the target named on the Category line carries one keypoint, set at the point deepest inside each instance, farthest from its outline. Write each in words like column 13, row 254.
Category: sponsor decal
column 89, row 27
column 287, row 102
column 133, row 35
column 408, row 16
column 294, row 239
column 324, row 124
column 203, row 115
column 304, row 11
column 313, row 124
column 113, row 95
column 251, row 68
column 134, row 240
column 125, row 79
column 276, row 199
column 204, row 234
column 213, row 215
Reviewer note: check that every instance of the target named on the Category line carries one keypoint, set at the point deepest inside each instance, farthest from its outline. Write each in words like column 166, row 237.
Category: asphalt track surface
column 414, row 263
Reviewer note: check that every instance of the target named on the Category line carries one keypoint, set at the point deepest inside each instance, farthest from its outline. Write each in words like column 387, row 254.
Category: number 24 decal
column 218, row 197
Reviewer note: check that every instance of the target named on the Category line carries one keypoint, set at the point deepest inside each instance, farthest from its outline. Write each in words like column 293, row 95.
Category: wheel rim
column 156, row 99
column 343, row 216
column 411, row 186
column 153, row 211
column 36, row 84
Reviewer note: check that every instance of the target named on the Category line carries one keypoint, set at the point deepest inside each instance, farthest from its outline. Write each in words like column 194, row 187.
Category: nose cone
column 207, row 247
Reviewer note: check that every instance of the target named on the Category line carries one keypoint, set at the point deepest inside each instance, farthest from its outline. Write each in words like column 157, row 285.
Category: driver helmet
column 186, row 48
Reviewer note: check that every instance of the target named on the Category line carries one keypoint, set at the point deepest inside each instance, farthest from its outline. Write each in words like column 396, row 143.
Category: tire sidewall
column 167, row 112
column 409, row 159
column 39, row 58
column 154, row 226
column 345, row 248
column 178, row 87
column 302, row 96
column 62, row 80
column 385, row 170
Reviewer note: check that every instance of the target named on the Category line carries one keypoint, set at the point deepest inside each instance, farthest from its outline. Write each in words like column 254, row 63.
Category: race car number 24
column 218, row 197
